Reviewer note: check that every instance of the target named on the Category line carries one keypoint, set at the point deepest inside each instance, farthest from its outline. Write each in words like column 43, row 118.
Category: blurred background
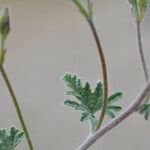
column 49, row 38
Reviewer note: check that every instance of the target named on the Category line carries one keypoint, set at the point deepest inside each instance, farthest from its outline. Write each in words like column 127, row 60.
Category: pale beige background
column 49, row 38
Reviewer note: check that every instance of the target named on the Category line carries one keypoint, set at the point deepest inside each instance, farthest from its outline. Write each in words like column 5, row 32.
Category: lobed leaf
column 114, row 108
column 74, row 104
column 110, row 114
column 145, row 110
column 84, row 116
column 115, row 97
column 9, row 142
column 89, row 101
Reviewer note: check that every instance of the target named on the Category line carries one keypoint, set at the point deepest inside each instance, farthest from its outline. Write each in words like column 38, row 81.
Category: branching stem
column 104, row 70
column 117, row 120
column 18, row 110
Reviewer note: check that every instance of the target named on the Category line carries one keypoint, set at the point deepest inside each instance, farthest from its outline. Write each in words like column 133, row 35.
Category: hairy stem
column 145, row 69
column 104, row 70
column 18, row 110
column 113, row 123
column 140, row 46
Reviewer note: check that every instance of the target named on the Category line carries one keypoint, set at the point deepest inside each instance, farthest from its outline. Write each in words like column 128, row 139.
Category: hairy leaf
column 145, row 110
column 89, row 101
column 74, row 104
column 11, row 140
column 115, row 97
column 110, row 114
column 84, row 116
column 114, row 108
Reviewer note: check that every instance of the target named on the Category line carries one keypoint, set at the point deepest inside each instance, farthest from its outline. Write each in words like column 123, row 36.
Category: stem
column 113, row 123
column 2, row 50
column 2, row 43
column 138, row 27
column 18, row 110
column 104, row 70
column 91, row 128
column 140, row 46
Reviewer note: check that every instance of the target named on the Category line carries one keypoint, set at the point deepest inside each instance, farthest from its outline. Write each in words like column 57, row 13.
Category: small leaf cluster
column 89, row 101
column 138, row 8
column 145, row 110
column 11, row 140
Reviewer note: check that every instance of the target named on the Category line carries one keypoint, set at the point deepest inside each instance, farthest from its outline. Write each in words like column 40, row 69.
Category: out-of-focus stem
column 18, row 110
column 145, row 69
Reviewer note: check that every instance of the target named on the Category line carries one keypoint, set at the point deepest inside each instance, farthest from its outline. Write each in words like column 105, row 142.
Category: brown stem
column 104, row 70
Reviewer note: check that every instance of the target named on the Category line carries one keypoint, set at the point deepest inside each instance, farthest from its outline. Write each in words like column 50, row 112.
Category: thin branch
column 18, row 110
column 104, row 70
column 126, row 113
column 140, row 46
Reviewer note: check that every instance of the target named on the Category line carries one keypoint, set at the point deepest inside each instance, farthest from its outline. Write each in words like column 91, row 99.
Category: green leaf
column 147, row 115
column 145, row 107
column 93, row 120
column 86, row 91
column 73, row 82
column 98, row 96
column 145, row 110
column 115, row 97
column 84, row 116
column 10, row 141
column 138, row 9
column 74, row 104
column 110, row 114
column 98, row 92
column 133, row 3
column 71, row 93
column 114, row 108
column 89, row 101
